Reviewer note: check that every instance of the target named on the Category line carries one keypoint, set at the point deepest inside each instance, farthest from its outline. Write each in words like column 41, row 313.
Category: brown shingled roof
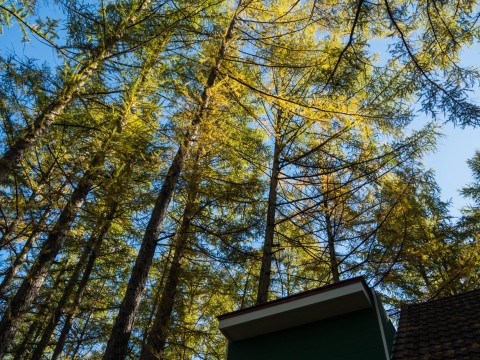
column 447, row 328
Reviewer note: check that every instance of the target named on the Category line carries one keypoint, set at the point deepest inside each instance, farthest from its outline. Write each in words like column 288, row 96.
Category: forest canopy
column 177, row 160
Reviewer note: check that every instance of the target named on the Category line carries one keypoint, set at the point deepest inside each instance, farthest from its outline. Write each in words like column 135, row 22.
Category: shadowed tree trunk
column 334, row 266
column 118, row 343
column 93, row 253
column 157, row 338
column 117, row 346
column 160, row 285
column 30, row 287
column 267, row 255
column 36, row 326
column 90, row 251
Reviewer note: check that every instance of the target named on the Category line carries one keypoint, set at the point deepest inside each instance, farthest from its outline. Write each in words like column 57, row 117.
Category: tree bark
column 160, row 284
column 118, row 343
column 14, row 155
column 267, row 255
column 36, row 326
column 157, row 338
column 334, row 267
column 79, row 341
column 117, row 346
column 93, row 253
column 89, row 253
column 38, row 272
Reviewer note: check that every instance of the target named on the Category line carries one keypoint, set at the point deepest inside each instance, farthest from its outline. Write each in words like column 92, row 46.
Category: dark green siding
column 354, row 336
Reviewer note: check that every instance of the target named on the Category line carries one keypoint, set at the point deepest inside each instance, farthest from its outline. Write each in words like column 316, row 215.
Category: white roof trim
column 310, row 308
column 380, row 324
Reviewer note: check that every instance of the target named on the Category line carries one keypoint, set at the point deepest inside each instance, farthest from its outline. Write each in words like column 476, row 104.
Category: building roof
column 447, row 328
column 313, row 305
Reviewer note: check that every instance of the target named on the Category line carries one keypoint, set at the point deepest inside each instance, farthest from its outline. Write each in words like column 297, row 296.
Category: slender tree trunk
column 63, row 98
column 267, row 255
column 160, row 284
column 93, row 253
column 117, row 346
column 89, row 253
column 157, row 337
column 118, row 343
column 36, row 326
column 38, row 272
column 53, row 320
column 334, row 267
column 79, row 341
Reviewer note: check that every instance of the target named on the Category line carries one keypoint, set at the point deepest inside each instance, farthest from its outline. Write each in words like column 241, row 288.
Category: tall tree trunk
column 157, row 338
column 89, row 253
column 118, row 343
column 93, row 253
column 38, row 272
column 63, row 98
column 79, row 341
column 334, row 266
column 117, row 346
column 267, row 255
column 35, row 327
column 53, row 320
column 160, row 285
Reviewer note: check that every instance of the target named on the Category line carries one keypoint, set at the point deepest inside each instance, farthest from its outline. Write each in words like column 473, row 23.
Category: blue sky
column 455, row 148
column 449, row 162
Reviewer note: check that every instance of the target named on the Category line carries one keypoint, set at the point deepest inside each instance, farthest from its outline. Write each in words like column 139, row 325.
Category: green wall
column 354, row 336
